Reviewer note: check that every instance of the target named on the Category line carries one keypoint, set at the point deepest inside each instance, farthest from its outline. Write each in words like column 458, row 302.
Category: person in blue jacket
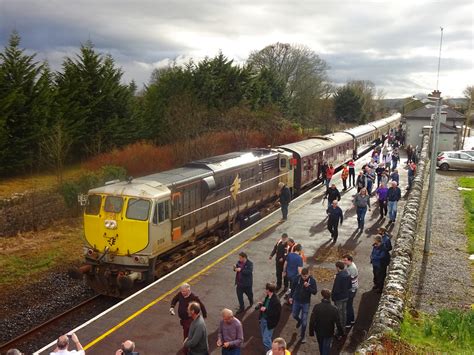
column 341, row 290
column 243, row 280
column 378, row 259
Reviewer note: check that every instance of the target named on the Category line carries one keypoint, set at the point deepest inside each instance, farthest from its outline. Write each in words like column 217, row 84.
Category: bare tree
column 55, row 148
column 300, row 70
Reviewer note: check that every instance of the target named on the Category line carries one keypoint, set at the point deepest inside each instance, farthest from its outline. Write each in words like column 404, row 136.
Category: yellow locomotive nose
column 108, row 225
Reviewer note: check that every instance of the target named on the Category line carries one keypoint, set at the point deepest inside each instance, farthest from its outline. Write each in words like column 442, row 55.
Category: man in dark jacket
column 332, row 194
column 394, row 194
column 378, row 259
column 243, row 280
column 341, row 290
column 185, row 297
column 270, row 310
column 322, row 321
column 334, row 216
column 280, row 250
column 285, row 198
column 305, row 286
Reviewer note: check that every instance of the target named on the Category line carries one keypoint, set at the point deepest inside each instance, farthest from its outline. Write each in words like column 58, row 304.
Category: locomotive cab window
column 282, row 163
column 162, row 212
column 113, row 204
column 93, row 204
column 138, row 209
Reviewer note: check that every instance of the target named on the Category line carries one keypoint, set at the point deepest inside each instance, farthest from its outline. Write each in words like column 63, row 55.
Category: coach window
column 282, row 163
column 138, row 209
column 93, row 204
column 113, row 204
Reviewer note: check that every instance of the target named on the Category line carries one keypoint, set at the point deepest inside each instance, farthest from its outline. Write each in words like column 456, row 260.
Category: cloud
column 393, row 44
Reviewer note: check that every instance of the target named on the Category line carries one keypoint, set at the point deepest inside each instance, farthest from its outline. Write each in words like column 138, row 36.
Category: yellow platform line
column 174, row 289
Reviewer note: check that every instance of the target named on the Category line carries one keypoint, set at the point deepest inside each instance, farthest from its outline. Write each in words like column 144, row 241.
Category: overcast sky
column 395, row 44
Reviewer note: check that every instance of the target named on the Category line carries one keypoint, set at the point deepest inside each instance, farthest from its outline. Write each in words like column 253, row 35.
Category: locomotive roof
column 309, row 146
column 144, row 189
column 179, row 175
column 230, row 160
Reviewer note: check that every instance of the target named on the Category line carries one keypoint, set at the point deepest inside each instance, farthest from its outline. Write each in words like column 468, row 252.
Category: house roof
column 426, row 112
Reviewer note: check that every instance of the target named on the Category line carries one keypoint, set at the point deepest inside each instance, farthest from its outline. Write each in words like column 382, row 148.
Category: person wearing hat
column 285, row 198
column 243, row 280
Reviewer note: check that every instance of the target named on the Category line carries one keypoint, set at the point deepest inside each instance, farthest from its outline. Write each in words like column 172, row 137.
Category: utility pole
column 433, row 157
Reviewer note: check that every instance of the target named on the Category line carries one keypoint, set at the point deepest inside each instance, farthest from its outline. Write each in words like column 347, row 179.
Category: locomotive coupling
column 76, row 273
column 125, row 282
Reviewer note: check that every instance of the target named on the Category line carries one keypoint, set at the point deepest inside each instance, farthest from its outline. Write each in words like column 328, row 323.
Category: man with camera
column 243, row 280
column 63, row 344
column 127, row 348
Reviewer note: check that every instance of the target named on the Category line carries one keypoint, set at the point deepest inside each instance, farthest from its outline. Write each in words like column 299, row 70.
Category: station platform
column 144, row 317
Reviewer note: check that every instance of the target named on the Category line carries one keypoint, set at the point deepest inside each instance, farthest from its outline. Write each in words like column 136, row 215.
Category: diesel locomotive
column 140, row 229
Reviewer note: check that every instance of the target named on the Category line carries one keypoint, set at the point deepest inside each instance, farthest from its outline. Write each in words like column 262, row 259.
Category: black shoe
column 251, row 303
column 298, row 324
column 239, row 310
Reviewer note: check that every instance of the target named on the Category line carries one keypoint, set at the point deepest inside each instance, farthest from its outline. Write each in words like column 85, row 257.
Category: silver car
column 455, row 160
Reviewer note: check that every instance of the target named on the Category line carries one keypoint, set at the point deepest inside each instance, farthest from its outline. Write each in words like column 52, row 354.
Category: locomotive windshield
column 138, row 209
column 113, row 204
column 93, row 204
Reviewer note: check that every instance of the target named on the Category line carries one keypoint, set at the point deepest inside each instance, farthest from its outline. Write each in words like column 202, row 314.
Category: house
column 418, row 122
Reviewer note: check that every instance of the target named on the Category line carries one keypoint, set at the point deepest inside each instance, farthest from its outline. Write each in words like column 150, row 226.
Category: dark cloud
column 393, row 44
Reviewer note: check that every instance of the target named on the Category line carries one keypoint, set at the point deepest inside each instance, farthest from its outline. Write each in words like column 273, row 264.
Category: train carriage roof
column 379, row 123
column 360, row 130
column 309, row 146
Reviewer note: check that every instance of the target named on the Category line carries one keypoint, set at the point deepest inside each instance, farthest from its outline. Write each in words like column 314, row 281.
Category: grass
column 468, row 182
column 35, row 182
column 450, row 331
column 23, row 258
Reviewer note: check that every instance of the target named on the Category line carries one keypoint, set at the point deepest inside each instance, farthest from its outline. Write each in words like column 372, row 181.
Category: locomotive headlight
column 110, row 224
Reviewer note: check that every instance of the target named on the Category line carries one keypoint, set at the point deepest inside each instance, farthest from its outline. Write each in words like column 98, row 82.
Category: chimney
column 436, row 93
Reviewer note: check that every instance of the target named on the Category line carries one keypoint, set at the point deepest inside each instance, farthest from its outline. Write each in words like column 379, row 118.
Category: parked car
column 455, row 160
column 470, row 152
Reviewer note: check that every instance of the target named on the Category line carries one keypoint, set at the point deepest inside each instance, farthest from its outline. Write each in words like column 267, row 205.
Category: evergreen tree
column 94, row 104
column 348, row 104
column 22, row 117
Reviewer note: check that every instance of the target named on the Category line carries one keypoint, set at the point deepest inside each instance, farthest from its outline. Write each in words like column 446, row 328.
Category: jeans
column 383, row 208
column 324, row 345
column 266, row 334
column 326, row 182
column 233, row 351
column 352, row 177
column 292, row 281
column 350, row 308
column 302, row 308
column 284, row 211
column 394, row 164
column 392, row 210
column 378, row 276
column 279, row 275
column 341, row 306
column 240, row 295
column 361, row 211
column 332, row 228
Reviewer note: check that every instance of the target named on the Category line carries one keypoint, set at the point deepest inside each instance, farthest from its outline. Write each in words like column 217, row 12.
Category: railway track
column 35, row 337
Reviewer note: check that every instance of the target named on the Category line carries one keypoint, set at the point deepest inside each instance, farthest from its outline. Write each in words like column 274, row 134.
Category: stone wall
column 389, row 313
column 31, row 211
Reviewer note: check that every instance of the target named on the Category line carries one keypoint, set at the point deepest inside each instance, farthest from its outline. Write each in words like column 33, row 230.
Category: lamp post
column 431, row 188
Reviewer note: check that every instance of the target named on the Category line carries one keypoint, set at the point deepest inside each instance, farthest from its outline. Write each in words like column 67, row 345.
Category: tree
column 94, row 104
column 299, row 70
column 22, row 112
column 348, row 106
column 55, row 148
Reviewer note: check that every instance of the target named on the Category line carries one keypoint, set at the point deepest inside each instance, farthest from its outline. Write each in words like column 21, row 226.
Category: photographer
column 63, row 344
